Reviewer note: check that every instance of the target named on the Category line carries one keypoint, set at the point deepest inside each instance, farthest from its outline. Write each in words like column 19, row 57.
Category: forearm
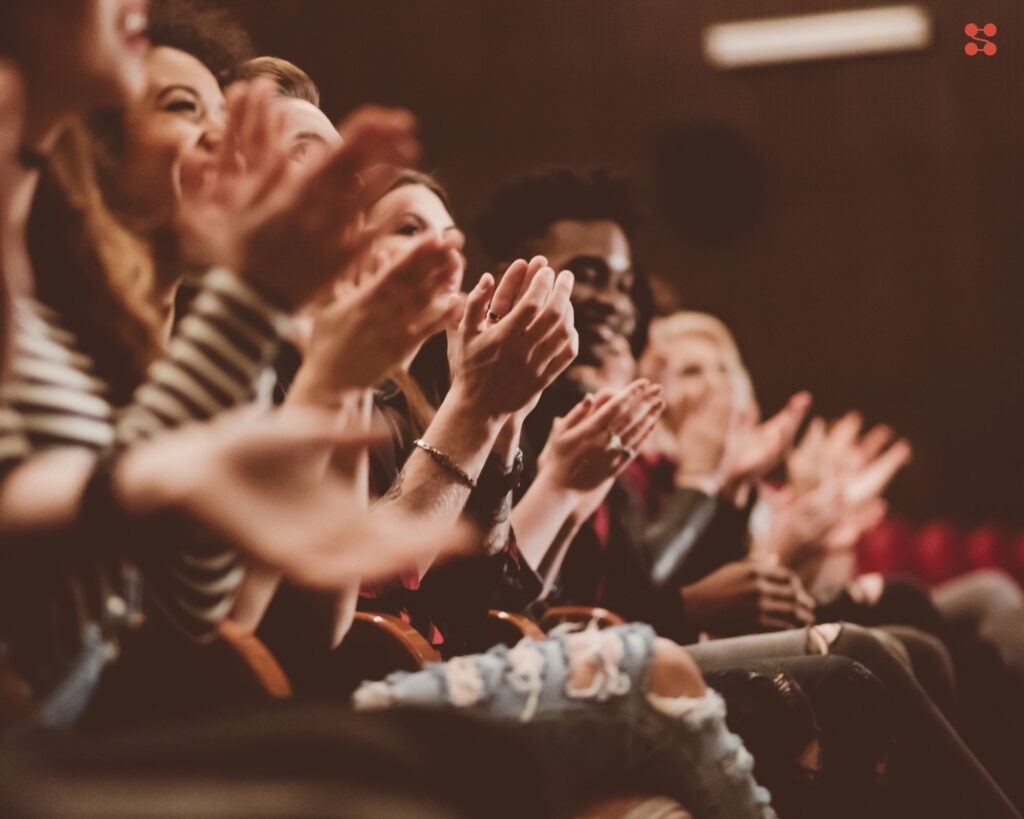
column 42, row 495
column 427, row 488
column 489, row 510
column 539, row 518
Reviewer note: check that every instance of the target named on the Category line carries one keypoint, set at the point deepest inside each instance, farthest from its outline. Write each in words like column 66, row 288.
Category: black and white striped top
column 53, row 398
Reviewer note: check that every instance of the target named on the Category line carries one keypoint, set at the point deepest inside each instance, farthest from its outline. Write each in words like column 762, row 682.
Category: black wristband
column 495, row 481
column 107, row 529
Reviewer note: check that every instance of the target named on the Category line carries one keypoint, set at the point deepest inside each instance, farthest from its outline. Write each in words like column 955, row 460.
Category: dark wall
column 858, row 223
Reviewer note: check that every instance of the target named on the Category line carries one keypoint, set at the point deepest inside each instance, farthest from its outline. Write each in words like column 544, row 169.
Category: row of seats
column 939, row 550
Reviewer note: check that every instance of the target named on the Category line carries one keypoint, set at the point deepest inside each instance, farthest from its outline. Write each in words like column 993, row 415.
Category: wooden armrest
column 376, row 645
column 263, row 666
column 399, row 633
column 556, row 615
column 635, row 807
column 509, row 628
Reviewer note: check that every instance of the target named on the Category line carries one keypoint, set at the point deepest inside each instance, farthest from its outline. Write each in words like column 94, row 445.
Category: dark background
column 858, row 223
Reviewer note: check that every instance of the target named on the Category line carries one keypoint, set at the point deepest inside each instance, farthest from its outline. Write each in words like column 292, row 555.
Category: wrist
column 550, row 485
column 462, row 434
column 311, row 389
column 709, row 483
column 458, row 403
column 506, row 445
column 140, row 484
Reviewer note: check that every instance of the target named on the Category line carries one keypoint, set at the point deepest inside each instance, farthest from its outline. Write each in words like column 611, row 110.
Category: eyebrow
column 186, row 88
column 309, row 136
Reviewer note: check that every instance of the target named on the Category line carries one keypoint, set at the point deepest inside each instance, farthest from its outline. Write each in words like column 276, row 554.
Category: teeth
column 135, row 22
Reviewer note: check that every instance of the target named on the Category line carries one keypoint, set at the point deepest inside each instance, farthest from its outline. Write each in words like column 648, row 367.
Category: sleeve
column 220, row 349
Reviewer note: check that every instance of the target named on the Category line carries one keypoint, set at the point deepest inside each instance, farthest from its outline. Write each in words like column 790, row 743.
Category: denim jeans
column 610, row 733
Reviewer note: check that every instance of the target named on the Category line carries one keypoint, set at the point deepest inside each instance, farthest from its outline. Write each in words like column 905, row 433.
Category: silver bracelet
column 445, row 461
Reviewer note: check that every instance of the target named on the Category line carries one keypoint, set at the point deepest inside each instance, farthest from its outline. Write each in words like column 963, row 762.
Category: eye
column 408, row 228
column 626, row 285
column 691, row 370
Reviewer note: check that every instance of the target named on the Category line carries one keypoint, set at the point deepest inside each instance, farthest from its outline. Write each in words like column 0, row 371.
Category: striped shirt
column 53, row 399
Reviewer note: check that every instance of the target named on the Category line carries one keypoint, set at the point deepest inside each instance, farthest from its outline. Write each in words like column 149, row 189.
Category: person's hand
column 261, row 484
column 579, row 456
column 799, row 522
column 747, row 596
column 12, row 112
column 12, row 109
column 701, row 441
column 754, row 449
column 503, row 361
column 372, row 327
column 616, row 369
column 216, row 190
column 863, row 464
column 289, row 230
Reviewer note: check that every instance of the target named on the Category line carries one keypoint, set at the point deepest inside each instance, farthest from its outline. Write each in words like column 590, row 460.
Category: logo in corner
column 973, row 30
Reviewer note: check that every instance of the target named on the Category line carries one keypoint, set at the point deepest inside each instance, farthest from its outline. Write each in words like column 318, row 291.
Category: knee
column 673, row 672
column 868, row 648
column 997, row 588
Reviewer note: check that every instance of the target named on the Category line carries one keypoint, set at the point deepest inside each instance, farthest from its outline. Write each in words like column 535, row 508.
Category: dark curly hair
column 208, row 32
column 526, row 208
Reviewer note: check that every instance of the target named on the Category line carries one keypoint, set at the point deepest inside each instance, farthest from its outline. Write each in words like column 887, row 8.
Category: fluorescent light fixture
column 817, row 36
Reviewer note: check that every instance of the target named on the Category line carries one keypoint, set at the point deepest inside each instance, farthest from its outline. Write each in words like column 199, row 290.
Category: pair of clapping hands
column 836, row 476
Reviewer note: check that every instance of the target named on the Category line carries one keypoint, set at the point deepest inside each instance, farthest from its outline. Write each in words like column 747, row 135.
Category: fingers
column 554, row 327
column 529, row 306
column 566, row 355
column 507, row 291
column 256, row 127
column 652, row 403
column 477, row 301
column 579, row 412
column 874, row 441
column 873, row 479
column 372, row 136
column 237, row 105
column 557, row 310
column 606, row 417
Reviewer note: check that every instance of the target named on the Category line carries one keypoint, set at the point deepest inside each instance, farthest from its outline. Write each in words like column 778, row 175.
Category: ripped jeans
column 601, row 727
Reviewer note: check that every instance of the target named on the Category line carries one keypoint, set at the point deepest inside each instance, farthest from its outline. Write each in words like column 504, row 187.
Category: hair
column 425, row 383
column 664, row 331
column 90, row 269
column 291, row 81
column 523, row 211
column 208, row 32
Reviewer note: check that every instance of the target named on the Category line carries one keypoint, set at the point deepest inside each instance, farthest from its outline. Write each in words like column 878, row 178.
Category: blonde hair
column 666, row 330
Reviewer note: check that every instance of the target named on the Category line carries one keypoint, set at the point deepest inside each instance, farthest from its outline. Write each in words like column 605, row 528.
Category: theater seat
column 375, row 646
column 636, row 807
column 938, row 551
column 256, row 657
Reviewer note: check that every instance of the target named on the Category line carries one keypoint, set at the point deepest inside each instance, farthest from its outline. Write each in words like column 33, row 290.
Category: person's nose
column 212, row 138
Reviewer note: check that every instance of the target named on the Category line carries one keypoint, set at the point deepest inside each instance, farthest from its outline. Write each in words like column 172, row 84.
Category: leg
column 629, row 710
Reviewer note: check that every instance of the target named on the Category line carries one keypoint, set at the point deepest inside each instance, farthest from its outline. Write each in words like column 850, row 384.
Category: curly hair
column 208, row 32
column 526, row 208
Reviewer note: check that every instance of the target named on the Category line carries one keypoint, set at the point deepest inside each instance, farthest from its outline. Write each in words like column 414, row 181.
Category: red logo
column 989, row 48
